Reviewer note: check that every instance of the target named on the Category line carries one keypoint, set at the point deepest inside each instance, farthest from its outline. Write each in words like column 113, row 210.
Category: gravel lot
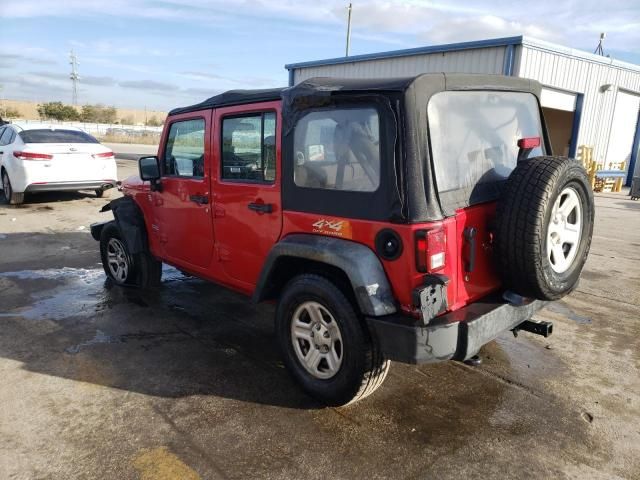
column 186, row 382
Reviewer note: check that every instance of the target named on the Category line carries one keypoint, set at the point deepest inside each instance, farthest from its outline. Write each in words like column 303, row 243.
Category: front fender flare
column 361, row 265
column 130, row 221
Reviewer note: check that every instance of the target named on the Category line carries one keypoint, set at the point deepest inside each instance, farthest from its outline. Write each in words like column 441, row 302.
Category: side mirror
column 149, row 168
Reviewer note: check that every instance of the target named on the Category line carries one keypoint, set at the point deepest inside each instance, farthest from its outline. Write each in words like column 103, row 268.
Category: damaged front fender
column 130, row 221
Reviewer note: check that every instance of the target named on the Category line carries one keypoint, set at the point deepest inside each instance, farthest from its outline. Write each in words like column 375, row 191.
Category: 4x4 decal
column 333, row 227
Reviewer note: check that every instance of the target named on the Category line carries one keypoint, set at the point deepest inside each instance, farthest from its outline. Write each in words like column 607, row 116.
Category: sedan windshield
column 56, row 136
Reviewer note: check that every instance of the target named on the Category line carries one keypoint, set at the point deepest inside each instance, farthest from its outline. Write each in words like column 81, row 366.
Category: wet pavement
column 186, row 382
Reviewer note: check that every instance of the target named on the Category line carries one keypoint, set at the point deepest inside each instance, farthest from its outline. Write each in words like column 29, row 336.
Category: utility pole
column 349, row 8
column 73, row 60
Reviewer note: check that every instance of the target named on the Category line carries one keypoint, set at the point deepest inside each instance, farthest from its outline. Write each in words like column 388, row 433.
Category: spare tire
column 544, row 224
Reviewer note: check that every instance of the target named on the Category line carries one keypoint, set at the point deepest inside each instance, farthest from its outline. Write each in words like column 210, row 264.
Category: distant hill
column 127, row 116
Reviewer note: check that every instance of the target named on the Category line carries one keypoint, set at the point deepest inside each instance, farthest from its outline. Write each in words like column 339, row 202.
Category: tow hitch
column 539, row 328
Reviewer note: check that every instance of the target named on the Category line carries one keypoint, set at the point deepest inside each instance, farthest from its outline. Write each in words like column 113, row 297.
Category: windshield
column 56, row 136
column 474, row 135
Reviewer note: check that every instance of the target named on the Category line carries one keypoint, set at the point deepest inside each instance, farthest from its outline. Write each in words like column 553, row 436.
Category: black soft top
column 325, row 85
column 408, row 192
column 233, row 97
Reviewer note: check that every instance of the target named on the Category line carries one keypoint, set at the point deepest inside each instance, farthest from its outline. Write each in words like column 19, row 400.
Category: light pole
column 349, row 8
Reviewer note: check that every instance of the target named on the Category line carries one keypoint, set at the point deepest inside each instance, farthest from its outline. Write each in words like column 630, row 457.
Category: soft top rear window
column 56, row 136
column 474, row 141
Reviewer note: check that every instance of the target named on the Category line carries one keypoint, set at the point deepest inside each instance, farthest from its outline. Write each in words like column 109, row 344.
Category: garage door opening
column 560, row 127
column 562, row 114
column 623, row 136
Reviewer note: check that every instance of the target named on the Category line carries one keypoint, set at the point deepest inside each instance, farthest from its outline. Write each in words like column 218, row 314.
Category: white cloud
column 149, row 67
column 576, row 22
column 486, row 26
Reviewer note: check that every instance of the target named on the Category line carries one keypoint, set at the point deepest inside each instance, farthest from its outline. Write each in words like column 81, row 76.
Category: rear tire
column 11, row 197
column 349, row 364
column 544, row 226
column 123, row 268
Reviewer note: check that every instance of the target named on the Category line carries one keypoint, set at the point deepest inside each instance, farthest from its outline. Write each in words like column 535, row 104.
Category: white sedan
column 37, row 157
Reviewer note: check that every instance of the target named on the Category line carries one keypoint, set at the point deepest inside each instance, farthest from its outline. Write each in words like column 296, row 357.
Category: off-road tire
column 11, row 197
column 522, row 221
column 144, row 270
column 363, row 367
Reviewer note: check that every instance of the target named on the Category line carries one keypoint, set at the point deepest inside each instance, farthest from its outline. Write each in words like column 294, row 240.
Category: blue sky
column 160, row 54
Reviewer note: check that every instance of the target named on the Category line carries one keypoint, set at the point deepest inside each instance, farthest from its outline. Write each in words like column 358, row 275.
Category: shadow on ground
column 47, row 197
column 206, row 358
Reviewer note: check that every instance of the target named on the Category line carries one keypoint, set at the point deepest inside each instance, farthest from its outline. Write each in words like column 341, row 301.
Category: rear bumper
column 71, row 186
column 457, row 335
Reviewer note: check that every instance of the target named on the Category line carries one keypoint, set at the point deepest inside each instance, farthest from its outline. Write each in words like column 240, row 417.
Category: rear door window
column 184, row 152
column 474, row 136
column 338, row 149
column 56, row 136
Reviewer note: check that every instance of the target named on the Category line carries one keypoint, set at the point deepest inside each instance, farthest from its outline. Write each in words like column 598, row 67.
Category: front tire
column 117, row 262
column 326, row 347
column 122, row 267
column 11, row 197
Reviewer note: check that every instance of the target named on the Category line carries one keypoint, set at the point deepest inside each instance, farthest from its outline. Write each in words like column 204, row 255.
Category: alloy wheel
column 117, row 260
column 6, row 186
column 317, row 340
column 564, row 232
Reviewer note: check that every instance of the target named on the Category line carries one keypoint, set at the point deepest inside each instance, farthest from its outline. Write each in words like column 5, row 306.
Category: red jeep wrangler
column 410, row 219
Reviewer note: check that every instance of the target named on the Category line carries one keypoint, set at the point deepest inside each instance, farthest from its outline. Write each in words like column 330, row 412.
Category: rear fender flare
column 360, row 264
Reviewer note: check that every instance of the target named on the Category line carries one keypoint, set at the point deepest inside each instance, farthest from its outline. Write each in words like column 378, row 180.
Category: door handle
column 470, row 239
column 261, row 207
column 199, row 199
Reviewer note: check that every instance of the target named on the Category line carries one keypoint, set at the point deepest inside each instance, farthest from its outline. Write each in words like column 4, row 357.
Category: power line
column 75, row 78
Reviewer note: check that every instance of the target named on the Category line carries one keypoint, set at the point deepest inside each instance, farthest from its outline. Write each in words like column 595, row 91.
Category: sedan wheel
column 10, row 196
column 6, row 186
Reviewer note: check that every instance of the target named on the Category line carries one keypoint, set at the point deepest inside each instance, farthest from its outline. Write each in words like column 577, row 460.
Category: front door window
column 183, row 205
column 184, row 153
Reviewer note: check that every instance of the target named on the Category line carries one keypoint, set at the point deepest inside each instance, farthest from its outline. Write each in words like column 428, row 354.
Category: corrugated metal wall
column 552, row 65
column 580, row 75
column 481, row 60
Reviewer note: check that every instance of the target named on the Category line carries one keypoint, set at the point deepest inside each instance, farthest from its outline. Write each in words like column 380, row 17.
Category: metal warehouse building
column 587, row 99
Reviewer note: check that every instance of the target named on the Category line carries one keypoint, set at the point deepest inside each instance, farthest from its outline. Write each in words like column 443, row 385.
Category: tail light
column 430, row 250
column 103, row 155
column 525, row 146
column 529, row 142
column 32, row 156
